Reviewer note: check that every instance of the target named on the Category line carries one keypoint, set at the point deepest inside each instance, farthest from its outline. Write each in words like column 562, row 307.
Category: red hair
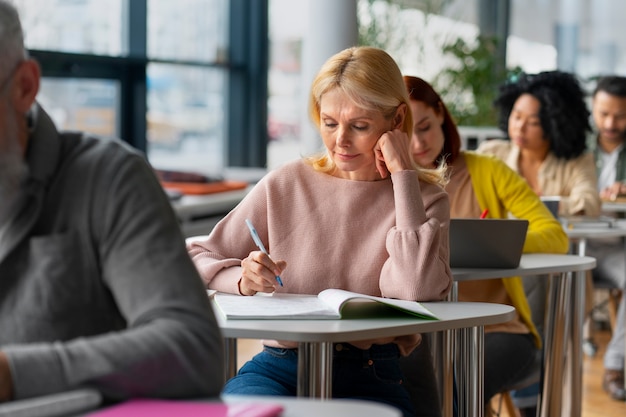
column 420, row 90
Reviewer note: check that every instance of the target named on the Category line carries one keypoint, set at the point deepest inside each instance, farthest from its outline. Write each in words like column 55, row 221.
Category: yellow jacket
column 505, row 193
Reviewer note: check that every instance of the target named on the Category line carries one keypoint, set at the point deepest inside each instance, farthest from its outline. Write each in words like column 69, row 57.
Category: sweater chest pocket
column 57, row 277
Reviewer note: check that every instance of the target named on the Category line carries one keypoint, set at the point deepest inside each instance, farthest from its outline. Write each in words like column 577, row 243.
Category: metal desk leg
column 572, row 407
column 441, row 349
column 575, row 358
column 621, row 312
column 315, row 366
column 470, row 371
column 230, row 358
column 622, row 307
column 556, row 326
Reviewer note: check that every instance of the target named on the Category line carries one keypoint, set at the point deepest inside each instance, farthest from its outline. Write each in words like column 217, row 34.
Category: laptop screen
column 486, row 243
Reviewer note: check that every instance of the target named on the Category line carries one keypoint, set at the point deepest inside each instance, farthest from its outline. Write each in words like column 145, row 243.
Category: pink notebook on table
column 170, row 408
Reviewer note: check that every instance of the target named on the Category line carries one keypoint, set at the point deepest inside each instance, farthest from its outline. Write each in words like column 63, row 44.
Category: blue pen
column 257, row 241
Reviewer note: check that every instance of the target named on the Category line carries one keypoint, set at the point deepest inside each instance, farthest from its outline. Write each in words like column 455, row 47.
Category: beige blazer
column 575, row 180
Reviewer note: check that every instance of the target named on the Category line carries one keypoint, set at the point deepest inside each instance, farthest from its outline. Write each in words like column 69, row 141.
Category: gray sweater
column 96, row 287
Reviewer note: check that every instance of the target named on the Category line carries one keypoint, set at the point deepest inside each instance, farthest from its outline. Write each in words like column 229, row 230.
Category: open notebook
column 328, row 304
column 487, row 243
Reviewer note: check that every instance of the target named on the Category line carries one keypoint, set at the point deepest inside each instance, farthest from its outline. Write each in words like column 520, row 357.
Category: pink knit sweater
column 386, row 238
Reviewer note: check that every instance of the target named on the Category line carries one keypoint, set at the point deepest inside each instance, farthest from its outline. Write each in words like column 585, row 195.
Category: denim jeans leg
column 271, row 372
column 372, row 374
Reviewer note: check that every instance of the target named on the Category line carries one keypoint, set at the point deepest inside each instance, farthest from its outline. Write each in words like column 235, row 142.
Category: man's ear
column 26, row 85
column 398, row 119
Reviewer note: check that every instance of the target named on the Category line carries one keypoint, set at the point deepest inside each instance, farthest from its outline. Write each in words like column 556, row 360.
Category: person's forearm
column 171, row 357
column 6, row 381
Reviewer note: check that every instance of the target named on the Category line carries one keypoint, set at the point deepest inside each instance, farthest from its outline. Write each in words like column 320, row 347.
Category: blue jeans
column 372, row 374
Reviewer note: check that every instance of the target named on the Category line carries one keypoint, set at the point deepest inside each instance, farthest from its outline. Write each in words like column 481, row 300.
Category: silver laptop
column 486, row 243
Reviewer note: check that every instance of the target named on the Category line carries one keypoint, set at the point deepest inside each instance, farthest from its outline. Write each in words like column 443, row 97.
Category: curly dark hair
column 563, row 113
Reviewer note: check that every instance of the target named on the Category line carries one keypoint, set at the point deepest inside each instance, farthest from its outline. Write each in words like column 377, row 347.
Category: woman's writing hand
column 259, row 273
column 393, row 153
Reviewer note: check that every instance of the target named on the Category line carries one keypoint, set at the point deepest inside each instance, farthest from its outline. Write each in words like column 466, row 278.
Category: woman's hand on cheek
column 381, row 166
column 392, row 153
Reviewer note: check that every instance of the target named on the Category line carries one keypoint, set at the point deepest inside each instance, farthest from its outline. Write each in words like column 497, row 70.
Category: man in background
column 96, row 287
column 609, row 116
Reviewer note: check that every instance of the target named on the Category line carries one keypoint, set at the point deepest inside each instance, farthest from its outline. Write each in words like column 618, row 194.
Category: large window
column 184, row 81
column 286, row 96
column 83, row 26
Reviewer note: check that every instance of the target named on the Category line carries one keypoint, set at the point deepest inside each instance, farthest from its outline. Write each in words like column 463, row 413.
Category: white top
column 608, row 174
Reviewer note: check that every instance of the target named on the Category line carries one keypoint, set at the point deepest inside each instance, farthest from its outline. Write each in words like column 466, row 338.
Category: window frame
column 245, row 144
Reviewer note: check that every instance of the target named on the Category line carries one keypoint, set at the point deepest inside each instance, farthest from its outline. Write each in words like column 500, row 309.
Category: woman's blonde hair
column 373, row 81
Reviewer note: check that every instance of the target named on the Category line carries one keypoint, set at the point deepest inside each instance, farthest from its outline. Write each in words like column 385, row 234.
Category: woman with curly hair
column 547, row 120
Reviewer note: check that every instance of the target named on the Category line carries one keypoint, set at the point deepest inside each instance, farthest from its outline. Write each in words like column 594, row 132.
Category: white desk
column 292, row 407
column 87, row 401
column 316, row 338
column 192, row 207
column 614, row 206
column 580, row 235
column 198, row 214
column 310, row 407
column 189, row 206
column 564, row 321
column 530, row 264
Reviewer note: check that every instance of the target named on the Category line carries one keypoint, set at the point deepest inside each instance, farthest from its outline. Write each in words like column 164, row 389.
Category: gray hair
column 12, row 48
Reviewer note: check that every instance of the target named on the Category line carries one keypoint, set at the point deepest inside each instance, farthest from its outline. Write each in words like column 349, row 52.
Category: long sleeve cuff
column 36, row 370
